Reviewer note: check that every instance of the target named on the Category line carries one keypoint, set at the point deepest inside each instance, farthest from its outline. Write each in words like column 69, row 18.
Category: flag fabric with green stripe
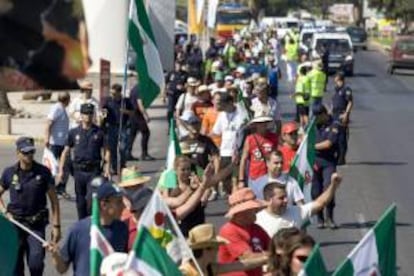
column 301, row 168
column 99, row 246
column 168, row 178
column 147, row 257
column 148, row 63
column 375, row 254
column 314, row 264
column 9, row 245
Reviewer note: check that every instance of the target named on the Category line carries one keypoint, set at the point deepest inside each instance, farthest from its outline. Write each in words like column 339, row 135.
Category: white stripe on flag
column 364, row 256
column 99, row 242
column 140, row 266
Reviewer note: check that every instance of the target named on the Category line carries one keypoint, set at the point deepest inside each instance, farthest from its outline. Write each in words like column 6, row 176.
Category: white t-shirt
column 74, row 110
column 227, row 125
column 294, row 216
column 185, row 102
column 60, row 124
column 271, row 108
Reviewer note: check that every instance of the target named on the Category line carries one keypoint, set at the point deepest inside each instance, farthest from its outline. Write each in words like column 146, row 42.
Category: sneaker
column 331, row 224
column 147, row 157
column 132, row 158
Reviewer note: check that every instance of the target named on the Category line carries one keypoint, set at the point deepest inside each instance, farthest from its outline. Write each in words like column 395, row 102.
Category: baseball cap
column 108, row 189
column 25, row 144
column 140, row 198
column 87, row 108
column 289, row 127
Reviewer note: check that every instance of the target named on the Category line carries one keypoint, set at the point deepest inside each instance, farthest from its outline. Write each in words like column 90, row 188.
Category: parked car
column 402, row 54
column 358, row 36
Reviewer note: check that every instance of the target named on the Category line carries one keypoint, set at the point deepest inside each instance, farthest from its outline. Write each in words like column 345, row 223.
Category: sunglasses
column 28, row 152
column 302, row 258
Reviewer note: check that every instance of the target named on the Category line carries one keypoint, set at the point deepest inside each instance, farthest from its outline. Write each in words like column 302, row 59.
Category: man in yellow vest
column 291, row 53
column 302, row 93
column 318, row 81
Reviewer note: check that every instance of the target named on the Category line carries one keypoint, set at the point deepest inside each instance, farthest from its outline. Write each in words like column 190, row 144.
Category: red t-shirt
column 288, row 155
column 127, row 218
column 242, row 239
column 257, row 165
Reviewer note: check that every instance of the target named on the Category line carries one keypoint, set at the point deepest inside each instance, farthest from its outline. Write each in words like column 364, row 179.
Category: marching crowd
column 224, row 106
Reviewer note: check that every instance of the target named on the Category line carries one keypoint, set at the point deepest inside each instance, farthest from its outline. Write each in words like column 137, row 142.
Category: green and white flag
column 168, row 178
column 314, row 264
column 302, row 165
column 375, row 254
column 148, row 64
column 147, row 257
column 99, row 246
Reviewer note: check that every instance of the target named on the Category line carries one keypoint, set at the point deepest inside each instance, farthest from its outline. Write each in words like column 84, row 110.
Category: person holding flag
column 101, row 234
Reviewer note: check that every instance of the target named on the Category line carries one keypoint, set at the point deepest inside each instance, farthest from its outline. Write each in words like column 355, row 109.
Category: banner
column 43, row 44
column 211, row 13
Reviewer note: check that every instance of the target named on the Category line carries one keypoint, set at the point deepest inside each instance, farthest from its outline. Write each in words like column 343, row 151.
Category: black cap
column 140, row 198
column 108, row 189
column 87, row 108
column 319, row 109
column 25, row 144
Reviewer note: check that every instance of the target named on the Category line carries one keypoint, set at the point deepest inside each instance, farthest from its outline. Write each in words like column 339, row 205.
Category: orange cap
column 289, row 127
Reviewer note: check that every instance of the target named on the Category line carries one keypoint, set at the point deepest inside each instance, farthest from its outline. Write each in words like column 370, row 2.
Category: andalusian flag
column 168, row 178
column 99, row 247
column 375, row 254
column 314, row 264
column 147, row 257
column 159, row 221
column 9, row 245
column 302, row 165
column 149, row 68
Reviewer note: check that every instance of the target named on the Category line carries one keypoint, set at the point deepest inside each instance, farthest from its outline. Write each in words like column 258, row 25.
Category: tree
column 5, row 107
column 403, row 9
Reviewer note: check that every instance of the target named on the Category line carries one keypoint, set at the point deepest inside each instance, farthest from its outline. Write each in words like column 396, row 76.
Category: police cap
column 87, row 108
column 25, row 144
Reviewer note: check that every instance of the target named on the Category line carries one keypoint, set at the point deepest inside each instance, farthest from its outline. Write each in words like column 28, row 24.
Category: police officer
column 89, row 145
column 325, row 161
column 28, row 183
column 175, row 87
column 318, row 80
column 117, row 108
column 342, row 103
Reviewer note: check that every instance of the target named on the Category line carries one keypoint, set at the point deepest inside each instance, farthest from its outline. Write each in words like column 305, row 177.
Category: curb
column 11, row 138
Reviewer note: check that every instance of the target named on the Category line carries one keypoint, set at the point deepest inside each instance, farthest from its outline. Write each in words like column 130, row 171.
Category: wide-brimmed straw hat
column 261, row 119
column 243, row 200
column 204, row 236
column 202, row 88
column 132, row 177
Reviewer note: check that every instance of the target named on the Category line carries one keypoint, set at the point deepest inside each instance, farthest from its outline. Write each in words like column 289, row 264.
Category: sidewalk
column 384, row 49
column 34, row 123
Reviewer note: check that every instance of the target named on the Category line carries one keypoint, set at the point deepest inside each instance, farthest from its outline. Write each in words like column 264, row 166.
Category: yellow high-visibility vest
column 318, row 79
column 292, row 52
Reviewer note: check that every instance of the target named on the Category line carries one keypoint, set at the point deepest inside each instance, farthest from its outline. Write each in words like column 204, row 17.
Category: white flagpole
column 24, row 228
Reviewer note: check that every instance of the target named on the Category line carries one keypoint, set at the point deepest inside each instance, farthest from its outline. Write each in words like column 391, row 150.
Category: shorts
column 303, row 110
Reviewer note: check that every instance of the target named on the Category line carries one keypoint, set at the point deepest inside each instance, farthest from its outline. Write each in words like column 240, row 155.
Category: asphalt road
column 379, row 169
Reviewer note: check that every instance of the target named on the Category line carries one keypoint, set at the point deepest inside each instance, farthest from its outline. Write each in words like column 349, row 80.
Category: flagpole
column 124, row 86
column 24, row 228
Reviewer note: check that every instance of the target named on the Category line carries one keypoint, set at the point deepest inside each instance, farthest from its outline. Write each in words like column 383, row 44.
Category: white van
column 284, row 24
column 341, row 56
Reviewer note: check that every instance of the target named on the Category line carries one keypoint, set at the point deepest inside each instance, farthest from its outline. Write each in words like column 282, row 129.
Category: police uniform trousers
column 138, row 123
column 343, row 134
column 57, row 152
column 83, row 177
column 32, row 249
column 320, row 182
column 112, row 136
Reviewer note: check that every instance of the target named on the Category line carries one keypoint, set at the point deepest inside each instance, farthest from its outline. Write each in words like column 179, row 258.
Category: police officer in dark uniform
column 175, row 87
column 117, row 108
column 342, row 103
column 89, row 145
column 325, row 161
column 29, row 182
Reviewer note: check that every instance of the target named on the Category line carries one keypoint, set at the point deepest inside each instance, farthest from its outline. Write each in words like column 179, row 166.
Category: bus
column 230, row 18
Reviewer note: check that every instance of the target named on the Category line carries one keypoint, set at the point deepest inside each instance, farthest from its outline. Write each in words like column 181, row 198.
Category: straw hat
column 204, row 236
column 202, row 88
column 132, row 177
column 261, row 119
column 243, row 200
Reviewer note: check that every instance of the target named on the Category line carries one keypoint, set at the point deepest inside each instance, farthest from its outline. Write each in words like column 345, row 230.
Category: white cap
column 241, row 70
column 229, row 78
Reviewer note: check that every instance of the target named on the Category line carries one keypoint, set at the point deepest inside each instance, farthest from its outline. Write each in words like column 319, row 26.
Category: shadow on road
column 399, row 73
column 334, row 243
column 157, row 106
column 377, row 163
column 368, row 224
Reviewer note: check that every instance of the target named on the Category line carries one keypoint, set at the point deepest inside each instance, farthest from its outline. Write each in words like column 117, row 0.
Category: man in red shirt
column 247, row 240
column 290, row 144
